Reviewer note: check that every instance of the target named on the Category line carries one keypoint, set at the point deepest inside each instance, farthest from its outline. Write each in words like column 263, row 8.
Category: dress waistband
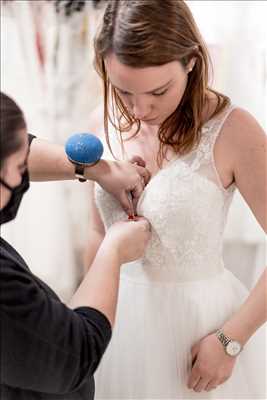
column 140, row 272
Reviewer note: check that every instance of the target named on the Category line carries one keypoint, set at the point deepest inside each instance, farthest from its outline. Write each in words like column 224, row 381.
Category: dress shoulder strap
column 203, row 153
column 215, row 124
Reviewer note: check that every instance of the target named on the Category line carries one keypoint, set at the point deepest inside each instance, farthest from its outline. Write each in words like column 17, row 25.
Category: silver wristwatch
column 231, row 347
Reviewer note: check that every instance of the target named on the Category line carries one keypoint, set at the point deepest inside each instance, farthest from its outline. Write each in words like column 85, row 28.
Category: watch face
column 233, row 348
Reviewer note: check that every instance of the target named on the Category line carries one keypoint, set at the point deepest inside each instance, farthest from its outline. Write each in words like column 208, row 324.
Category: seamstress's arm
column 49, row 162
column 69, row 343
column 96, row 231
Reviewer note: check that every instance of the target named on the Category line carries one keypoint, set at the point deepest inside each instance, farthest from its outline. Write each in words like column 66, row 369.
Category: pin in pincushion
column 84, row 148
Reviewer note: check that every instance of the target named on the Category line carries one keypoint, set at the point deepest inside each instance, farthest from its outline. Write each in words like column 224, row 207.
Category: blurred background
column 46, row 66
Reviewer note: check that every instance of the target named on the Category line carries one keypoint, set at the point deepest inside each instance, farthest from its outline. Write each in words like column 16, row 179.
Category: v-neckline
column 167, row 166
column 174, row 159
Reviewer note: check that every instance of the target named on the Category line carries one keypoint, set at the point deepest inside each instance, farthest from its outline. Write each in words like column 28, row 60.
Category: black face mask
column 9, row 212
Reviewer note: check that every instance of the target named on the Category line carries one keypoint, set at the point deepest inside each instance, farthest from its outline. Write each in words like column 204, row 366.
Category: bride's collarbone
column 147, row 147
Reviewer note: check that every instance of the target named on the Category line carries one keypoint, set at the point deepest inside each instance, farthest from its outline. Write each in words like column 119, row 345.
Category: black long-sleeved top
column 47, row 351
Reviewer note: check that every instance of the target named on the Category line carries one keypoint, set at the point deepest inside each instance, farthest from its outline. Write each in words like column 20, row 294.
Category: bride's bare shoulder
column 242, row 129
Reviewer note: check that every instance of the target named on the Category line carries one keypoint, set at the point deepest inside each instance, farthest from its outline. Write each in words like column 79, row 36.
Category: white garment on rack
column 57, row 99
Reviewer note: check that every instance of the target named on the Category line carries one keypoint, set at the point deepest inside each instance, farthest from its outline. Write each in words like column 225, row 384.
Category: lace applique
column 186, row 208
column 203, row 150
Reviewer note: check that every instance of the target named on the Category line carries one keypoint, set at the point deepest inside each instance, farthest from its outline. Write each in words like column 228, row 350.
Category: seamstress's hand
column 128, row 238
column 137, row 160
column 120, row 178
column 211, row 365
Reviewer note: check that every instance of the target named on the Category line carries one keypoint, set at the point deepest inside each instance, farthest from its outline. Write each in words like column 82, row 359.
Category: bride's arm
column 212, row 364
column 96, row 231
column 244, row 142
column 249, row 148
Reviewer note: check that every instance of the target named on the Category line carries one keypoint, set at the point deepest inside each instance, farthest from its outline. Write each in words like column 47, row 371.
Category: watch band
column 79, row 169
column 79, row 172
column 231, row 346
column 222, row 337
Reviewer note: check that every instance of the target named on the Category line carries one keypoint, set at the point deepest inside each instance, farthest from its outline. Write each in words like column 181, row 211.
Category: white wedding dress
column 180, row 291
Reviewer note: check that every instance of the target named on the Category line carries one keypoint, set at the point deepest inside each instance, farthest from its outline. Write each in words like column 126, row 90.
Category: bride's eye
column 160, row 93
column 122, row 92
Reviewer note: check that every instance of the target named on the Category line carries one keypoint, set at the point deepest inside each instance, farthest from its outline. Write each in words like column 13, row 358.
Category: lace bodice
column 187, row 206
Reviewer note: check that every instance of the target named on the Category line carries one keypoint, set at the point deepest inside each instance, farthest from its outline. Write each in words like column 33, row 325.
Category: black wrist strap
column 79, row 172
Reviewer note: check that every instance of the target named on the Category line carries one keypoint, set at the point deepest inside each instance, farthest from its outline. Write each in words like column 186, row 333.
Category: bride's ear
column 191, row 65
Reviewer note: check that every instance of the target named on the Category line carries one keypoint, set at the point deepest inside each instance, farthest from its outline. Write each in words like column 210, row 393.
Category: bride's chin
column 151, row 123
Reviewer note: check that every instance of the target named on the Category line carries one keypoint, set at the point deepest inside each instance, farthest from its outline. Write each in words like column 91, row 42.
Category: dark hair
column 11, row 122
column 150, row 33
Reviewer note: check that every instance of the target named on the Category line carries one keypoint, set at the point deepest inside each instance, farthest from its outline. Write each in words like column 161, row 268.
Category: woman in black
column 50, row 350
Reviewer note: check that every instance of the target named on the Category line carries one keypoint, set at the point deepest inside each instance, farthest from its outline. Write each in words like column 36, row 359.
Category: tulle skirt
column 157, row 323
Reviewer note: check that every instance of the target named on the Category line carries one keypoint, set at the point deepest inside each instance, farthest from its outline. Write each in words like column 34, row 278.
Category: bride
column 185, row 326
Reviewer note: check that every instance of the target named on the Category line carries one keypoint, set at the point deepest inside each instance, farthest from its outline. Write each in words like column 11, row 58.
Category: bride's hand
column 211, row 365
column 120, row 178
column 128, row 238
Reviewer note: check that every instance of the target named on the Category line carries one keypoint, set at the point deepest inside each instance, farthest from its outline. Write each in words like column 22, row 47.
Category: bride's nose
column 141, row 109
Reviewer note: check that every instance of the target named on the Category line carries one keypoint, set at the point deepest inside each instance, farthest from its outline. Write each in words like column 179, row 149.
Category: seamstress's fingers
column 144, row 173
column 135, row 202
column 127, row 203
column 138, row 160
column 138, row 189
column 141, row 168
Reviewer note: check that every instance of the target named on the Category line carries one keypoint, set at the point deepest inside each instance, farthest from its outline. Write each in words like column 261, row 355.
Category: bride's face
column 151, row 94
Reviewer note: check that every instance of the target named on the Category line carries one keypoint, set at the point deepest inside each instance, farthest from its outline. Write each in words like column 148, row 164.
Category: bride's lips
column 149, row 120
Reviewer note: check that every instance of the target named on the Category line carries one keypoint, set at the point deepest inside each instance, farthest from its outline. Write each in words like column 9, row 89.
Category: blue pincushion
column 84, row 148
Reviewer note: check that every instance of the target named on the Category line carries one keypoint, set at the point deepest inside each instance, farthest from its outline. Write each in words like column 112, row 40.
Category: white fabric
column 57, row 98
column 41, row 230
column 180, row 291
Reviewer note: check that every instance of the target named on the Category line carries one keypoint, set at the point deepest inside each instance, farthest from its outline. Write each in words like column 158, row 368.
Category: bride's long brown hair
column 145, row 33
